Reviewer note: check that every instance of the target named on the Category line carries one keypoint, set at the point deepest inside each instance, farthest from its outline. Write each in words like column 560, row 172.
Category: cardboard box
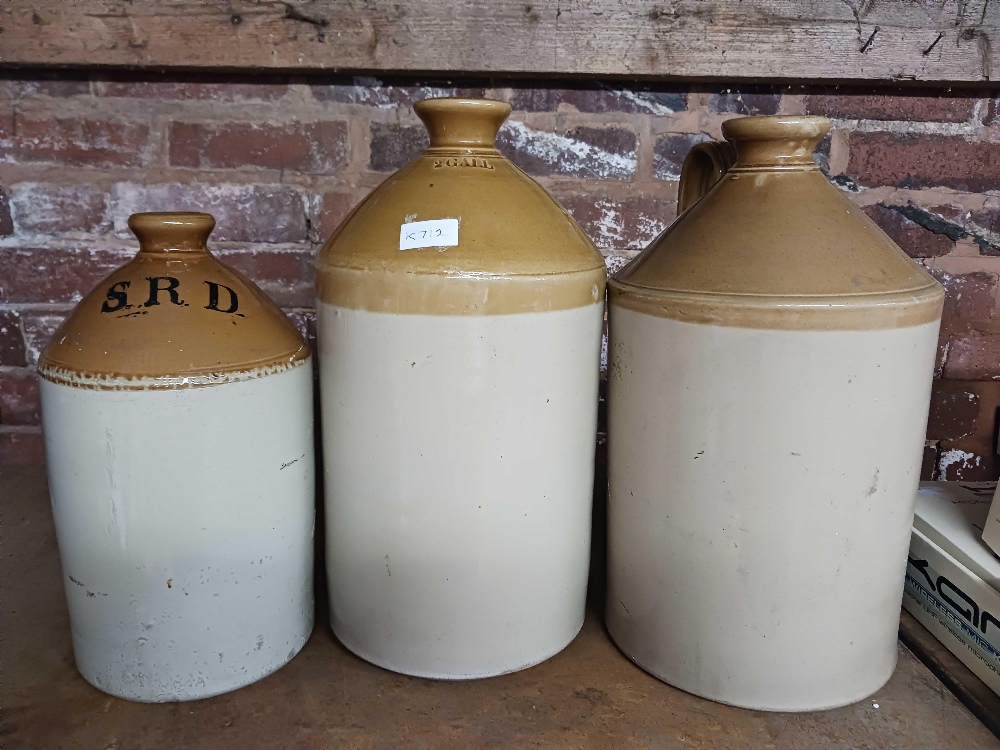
column 953, row 578
column 991, row 532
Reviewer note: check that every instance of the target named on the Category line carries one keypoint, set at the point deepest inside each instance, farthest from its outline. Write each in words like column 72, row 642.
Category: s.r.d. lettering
column 213, row 298
column 117, row 297
column 165, row 291
column 166, row 284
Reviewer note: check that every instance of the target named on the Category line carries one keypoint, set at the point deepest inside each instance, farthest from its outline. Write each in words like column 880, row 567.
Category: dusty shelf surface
column 589, row 696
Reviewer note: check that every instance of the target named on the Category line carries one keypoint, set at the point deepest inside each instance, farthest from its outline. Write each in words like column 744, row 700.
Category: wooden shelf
column 940, row 41
column 589, row 696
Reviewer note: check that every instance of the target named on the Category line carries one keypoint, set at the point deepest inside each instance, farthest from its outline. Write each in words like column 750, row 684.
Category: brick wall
column 281, row 160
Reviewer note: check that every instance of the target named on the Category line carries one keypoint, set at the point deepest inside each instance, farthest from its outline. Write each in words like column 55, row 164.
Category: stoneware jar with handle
column 771, row 356
column 459, row 314
column 177, row 407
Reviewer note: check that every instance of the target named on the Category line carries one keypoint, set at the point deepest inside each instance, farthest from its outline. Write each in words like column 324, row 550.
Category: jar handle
column 705, row 164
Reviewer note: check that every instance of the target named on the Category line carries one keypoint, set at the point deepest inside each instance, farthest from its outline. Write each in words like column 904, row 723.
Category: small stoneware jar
column 771, row 357
column 459, row 312
column 177, row 408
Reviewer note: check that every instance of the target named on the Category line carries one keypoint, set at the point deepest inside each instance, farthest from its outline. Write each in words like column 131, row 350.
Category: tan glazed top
column 172, row 317
column 773, row 244
column 517, row 249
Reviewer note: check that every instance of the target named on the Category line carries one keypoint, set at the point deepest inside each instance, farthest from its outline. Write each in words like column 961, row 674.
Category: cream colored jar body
column 458, row 459
column 762, row 486
column 185, row 520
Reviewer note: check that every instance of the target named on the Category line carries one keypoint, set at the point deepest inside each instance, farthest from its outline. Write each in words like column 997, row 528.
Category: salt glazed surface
column 179, row 442
column 770, row 366
column 459, row 376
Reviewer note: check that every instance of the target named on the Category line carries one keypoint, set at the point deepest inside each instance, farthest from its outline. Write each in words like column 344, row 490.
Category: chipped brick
column 76, row 141
column 914, row 105
column 216, row 88
column 12, row 352
column 394, row 146
column 598, row 153
column 390, row 93
column 600, row 98
column 670, row 151
column 616, row 224
column 243, row 213
column 53, row 209
column 318, row 148
column 54, row 275
column 919, row 161
column 917, row 241
column 19, row 398
column 746, row 100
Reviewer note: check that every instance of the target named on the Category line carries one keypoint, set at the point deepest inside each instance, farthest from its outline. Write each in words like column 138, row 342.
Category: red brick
column 286, row 274
column 917, row 241
column 746, row 100
column 38, row 329
column 616, row 224
column 19, row 399
column 599, row 98
column 76, row 141
column 597, row 153
column 670, row 151
column 318, row 148
column 61, row 84
column 390, row 93
column 192, row 87
column 394, row 146
column 918, row 161
column 984, row 226
column 920, row 105
column 51, row 209
column 967, row 460
column 12, row 352
column 973, row 354
column 54, row 275
column 22, row 446
column 968, row 296
column 6, row 220
column 243, row 213
column 954, row 410
column 969, row 453
column 333, row 207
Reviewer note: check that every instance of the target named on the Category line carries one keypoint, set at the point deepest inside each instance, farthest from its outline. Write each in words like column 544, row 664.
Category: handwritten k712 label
column 433, row 233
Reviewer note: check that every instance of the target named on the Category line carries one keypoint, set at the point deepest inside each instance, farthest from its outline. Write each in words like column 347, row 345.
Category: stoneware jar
column 177, row 408
column 770, row 369
column 460, row 312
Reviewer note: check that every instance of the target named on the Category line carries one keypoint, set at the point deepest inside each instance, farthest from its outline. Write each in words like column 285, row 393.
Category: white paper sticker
column 433, row 233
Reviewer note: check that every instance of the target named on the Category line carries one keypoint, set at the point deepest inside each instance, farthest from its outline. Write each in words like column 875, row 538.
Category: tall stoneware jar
column 177, row 409
column 770, row 369
column 459, row 313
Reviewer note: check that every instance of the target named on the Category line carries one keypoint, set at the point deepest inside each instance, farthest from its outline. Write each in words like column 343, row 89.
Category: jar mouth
column 454, row 122
column 166, row 231
column 775, row 141
column 776, row 128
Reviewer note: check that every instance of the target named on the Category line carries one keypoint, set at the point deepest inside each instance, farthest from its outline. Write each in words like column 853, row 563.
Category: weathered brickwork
column 281, row 160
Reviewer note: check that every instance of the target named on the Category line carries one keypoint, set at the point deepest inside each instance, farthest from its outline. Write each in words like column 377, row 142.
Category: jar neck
column 775, row 155
column 174, row 233
column 782, row 142
column 466, row 124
